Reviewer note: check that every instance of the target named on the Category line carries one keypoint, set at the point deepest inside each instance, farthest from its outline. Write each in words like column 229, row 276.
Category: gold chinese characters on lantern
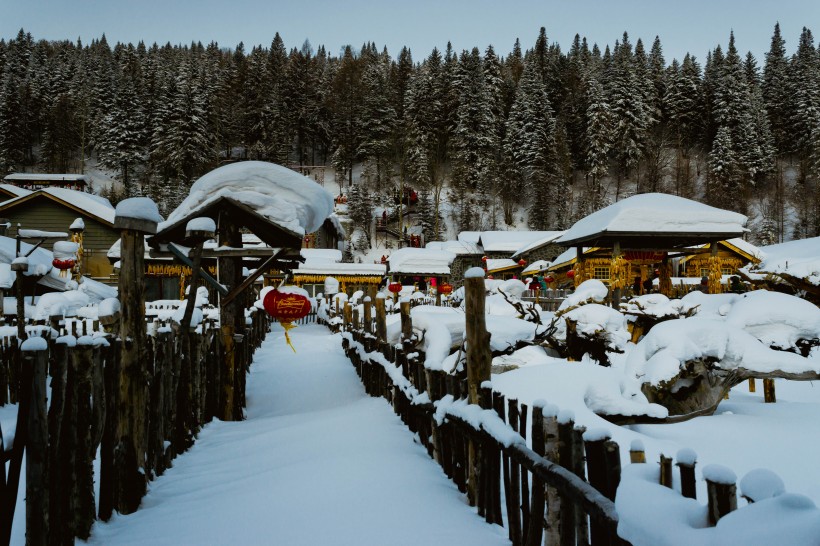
column 287, row 306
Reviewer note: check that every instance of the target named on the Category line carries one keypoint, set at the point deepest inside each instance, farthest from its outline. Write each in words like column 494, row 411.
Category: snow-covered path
column 316, row 462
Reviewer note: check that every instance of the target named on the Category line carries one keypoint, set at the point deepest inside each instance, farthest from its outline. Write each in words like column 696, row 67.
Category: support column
column 715, row 269
column 230, row 271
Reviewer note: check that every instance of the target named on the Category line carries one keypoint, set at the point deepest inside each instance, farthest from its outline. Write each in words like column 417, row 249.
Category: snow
column 513, row 241
column 421, row 261
column 109, row 307
column 317, row 461
column 799, row 259
column 474, row 272
column 551, row 237
column 590, row 290
column 760, row 484
column 77, row 225
column 497, row 264
column 40, row 234
column 720, row 474
column 139, row 208
column 459, row 248
column 321, row 255
column 65, row 249
column 776, row 319
column 285, row 197
column 687, row 456
column 93, row 205
column 656, row 213
column 331, row 285
column 203, row 223
column 34, row 344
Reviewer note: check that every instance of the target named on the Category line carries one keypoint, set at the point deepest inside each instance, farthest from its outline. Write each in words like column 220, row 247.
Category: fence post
column 81, row 362
column 636, row 452
column 129, row 463
column 687, row 459
column 367, row 319
column 35, row 353
column 567, row 514
column 552, row 453
column 721, row 491
column 768, row 391
column 479, row 358
column 535, row 528
column 666, row 471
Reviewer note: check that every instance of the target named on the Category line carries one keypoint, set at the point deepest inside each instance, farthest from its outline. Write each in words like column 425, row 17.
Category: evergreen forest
column 542, row 136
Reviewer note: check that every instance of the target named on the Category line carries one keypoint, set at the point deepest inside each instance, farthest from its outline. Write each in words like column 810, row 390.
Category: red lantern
column 394, row 287
column 63, row 264
column 490, row 277
column 571, row 273
column 522, row 262
column 484, row 258
column 445, row 288
column 286, row 307
column 548, row 279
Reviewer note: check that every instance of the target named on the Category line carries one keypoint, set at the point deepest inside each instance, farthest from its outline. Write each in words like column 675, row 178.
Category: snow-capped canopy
column 277, row 193
column 421, row 261
column 457, row 247
column 654, row 215
column 513, row 241
column 800, row 259
column 313, row 255
column 500, row 264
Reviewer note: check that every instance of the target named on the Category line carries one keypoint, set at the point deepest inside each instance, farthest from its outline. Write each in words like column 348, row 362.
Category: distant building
column 39, row 181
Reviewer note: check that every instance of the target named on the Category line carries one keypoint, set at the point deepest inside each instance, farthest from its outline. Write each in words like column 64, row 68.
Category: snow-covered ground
column 316, row 462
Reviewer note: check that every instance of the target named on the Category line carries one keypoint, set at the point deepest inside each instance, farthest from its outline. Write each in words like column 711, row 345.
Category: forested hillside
column 556, row 133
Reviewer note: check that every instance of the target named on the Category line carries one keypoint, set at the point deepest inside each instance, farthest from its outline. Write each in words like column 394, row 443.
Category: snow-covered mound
column 591, row 290
column 285, row 197
column 799, row 259
column 657, row 306
column 778, row 320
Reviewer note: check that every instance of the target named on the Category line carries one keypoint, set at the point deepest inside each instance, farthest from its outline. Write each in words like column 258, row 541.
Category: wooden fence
column 63, row 435
column 559, row 491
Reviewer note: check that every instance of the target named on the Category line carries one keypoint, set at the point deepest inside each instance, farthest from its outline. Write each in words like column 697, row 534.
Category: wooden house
column 57, row 209
column 10, row 191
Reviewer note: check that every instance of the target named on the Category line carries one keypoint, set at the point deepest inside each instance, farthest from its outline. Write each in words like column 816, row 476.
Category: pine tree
column 598, row 144
column 775, row 90
column 360, row 209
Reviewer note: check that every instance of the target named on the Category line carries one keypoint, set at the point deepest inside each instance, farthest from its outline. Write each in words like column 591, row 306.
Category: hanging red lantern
column 484, row 258
column 394, row 287
column 445, row 288
column 548, row 279
column 490, row 277
column 571, row 273
column 63, row 264
column 522, row 262
column 287, row 306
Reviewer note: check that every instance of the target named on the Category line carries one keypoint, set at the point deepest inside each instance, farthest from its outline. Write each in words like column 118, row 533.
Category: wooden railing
column 62, row 435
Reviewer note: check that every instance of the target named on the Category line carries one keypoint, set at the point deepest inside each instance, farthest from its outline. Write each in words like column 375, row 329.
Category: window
column 600, row 272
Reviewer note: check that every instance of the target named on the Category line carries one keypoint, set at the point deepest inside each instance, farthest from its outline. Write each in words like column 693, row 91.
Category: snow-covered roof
column 501, row 264
column 39, row 261
column 457, row 247
column 511, row 241
column 326, row 267
column 284, row 197
column 739, row 244
column 538, row 243
column 421, row 261
column 535, row 267
column 654, row 215
column 312, row 255
column 800, row 258
column 469, row 237
column 87, row 203
column 17, row 191
column 68, row 177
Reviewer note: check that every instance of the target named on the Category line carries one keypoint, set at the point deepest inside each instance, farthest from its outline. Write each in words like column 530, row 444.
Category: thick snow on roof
column 456, row 247
column 142, row 208
column 499, row 264
column 535, row 267
column 15, row 190
column 312, row 255
column 283, row 196
column 656, row 213
column 47, row 176
column 553, row 235
column 326, row 267
column 93, row 205
column 469, row 237
column 799, row 258
column 421, row 261
column 511, row 241
column 39, row 261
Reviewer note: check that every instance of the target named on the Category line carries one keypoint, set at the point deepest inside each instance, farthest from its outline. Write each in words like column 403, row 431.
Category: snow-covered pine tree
column 360, row 210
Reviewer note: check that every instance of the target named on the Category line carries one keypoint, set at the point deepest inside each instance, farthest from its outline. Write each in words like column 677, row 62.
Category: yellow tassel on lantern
column 287, row 325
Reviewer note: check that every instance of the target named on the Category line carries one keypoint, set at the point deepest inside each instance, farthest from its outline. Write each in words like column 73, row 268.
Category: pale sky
column 694, row 26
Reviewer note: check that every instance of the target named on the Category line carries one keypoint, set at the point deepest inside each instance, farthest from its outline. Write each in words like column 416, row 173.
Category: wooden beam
column 179, row 255
column 229, row 297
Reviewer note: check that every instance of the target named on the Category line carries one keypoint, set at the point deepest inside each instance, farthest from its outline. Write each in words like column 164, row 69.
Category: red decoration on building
column 484, row 258
column 445, row 288
column 490, row 277
column 548, row 279
column 522, row 262
column 571, row 273
column 394, row 287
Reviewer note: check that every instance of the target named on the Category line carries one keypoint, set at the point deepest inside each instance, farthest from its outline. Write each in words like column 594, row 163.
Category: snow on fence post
column 687, row 459
column 381, row 320
column 479, row 359
column 134, row 217
column 721, row 491
column 35, row 353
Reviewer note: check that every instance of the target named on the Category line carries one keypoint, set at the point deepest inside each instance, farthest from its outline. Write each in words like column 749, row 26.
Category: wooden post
column 406, row 322
column 513, row 493
column 636, row 452
column 381, row 318
column 81, row 362
column 535, row 528
column 111, row 374
column 567, row 512
column 133, row 381
column 56, row 465
column 721, row 491
column 367, row 319
column 687, row 459
column 768, row 391
column 37, row 478
column 230, row 315
column 554, row 501
column 666, row 471
column 752, row 386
